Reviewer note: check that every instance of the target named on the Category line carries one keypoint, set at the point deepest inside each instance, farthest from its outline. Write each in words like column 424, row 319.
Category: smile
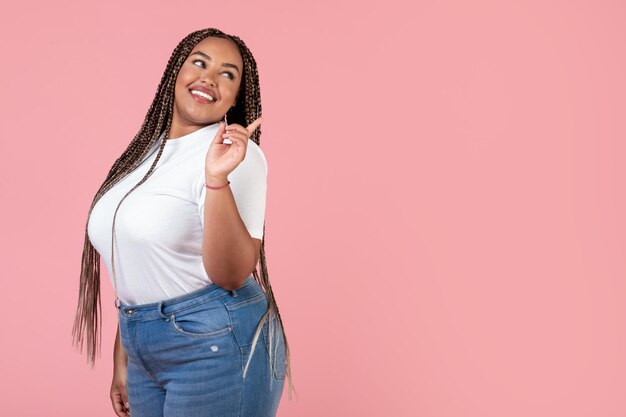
column 201, row 97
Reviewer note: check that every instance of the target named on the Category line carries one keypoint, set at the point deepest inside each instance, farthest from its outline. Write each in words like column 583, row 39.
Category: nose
column 207, row 78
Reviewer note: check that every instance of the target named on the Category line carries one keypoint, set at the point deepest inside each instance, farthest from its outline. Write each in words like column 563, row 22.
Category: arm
column 120, row 358
column 119, row 388
column 229, row 253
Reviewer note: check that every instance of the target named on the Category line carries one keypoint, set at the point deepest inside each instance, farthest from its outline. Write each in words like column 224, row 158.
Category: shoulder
column 255, row 157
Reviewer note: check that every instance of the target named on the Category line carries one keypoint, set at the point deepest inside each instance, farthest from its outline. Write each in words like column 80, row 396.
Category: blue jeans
column 187, row 355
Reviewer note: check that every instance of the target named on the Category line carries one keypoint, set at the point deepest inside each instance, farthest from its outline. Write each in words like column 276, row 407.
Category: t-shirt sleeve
column 248, row 183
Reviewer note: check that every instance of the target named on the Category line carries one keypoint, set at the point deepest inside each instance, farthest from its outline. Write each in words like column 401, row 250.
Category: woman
column 192, row 308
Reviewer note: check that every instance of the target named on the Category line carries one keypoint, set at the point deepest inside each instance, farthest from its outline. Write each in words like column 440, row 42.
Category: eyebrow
column 209, row 58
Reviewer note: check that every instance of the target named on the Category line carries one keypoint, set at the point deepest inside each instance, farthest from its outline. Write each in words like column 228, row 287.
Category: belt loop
column 160, row 310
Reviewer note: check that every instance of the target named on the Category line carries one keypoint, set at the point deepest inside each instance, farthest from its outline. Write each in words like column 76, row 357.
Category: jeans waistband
column 161, row 309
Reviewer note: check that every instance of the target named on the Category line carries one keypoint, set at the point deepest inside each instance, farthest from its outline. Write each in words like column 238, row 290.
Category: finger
column 232, row 128
column 120, row 403
column 240, row 143
column 125, row 398
column 219, row 136
column 119, row 409
column 237, row 135
column 238, row 139
column 236, row 142
column 252, row 126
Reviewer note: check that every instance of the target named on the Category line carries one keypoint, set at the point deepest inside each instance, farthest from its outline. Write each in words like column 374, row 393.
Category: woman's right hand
column 119, row 392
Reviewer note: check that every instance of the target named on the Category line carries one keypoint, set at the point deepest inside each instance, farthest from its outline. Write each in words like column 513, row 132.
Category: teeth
column 201, row 94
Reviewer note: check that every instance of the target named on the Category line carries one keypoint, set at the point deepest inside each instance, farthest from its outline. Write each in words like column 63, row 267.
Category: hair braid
column 158, row 120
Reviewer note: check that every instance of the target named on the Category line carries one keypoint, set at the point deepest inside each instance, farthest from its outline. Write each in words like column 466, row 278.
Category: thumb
column 220, row 131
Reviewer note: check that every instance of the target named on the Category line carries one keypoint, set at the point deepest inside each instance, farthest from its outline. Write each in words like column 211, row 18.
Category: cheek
column 230, row 93
column 180, row 88
column 184, row 79
column 179, row 92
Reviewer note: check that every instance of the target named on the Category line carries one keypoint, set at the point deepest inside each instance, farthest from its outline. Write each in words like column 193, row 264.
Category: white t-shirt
column 158, row 227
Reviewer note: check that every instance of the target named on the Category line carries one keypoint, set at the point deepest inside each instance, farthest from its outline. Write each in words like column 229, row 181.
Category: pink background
column 445, row 227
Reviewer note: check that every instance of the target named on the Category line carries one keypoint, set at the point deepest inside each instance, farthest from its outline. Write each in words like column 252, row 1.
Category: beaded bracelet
column 216, row 188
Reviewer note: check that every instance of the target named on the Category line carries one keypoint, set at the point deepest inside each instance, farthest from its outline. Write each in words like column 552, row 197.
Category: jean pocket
column 245, row 317
column 278, row 348
column 206, row 320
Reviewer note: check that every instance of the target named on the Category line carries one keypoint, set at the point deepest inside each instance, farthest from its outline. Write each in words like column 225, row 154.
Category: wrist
column 120, row 364
column 215, row 180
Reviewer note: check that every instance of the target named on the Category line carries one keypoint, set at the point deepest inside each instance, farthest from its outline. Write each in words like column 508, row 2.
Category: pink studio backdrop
column 445, row 227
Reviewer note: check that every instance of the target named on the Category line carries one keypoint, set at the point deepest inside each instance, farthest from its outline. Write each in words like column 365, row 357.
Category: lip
column 205, row 90
column 199, row 99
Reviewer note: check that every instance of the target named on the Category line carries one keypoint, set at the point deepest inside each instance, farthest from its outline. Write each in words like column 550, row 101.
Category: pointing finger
column 252, row 126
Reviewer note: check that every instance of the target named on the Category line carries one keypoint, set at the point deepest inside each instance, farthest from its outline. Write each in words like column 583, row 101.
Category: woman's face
column 213, row 67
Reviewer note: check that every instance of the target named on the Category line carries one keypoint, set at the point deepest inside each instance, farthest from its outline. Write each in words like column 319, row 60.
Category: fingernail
column 127, row 405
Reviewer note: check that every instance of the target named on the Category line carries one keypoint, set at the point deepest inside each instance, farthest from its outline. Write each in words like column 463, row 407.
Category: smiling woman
column 212, row 69
column 201, row 93
column 192, row 307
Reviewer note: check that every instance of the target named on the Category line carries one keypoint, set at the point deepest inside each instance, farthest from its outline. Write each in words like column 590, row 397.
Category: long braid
column 158, row 120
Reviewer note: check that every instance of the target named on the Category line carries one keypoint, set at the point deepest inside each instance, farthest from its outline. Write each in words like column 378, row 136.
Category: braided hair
column 157, row 120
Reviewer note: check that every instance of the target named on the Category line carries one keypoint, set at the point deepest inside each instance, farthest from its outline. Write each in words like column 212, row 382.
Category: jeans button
column 129, row 312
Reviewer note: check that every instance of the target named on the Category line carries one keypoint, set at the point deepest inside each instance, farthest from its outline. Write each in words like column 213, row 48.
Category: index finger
column 252, row 126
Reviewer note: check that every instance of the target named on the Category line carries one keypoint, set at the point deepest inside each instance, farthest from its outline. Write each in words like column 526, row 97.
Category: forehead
column 219, row 49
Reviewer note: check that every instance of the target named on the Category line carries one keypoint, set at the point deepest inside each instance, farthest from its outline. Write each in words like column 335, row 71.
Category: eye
column 198, row 60
column 232, row 76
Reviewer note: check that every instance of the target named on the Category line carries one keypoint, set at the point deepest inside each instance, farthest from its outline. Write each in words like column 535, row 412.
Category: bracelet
column 216, row 188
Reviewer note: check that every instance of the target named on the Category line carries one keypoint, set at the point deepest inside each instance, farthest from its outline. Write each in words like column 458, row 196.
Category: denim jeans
column 186, row 355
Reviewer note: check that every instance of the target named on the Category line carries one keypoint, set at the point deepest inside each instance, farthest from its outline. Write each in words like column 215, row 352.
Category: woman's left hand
column 222, row 158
